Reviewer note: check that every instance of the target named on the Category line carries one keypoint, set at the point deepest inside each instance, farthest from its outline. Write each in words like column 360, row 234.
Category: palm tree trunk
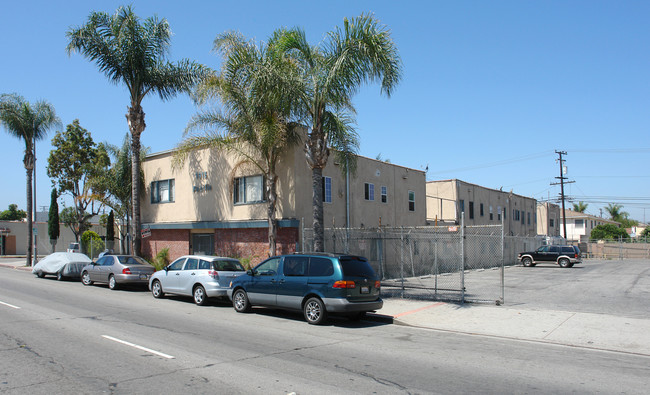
column 30, row 235
column 317, row 208
column 272, row 196
column 135, row 118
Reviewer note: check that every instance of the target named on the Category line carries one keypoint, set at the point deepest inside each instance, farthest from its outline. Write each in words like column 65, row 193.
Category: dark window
column 491, row 214
column 384, row 194
column 249, row 189
column 162, row 191
column 462, row 206
column 481, row 209
column 327, row 189
column 552, row 222
column 411, row 201
column 320, row 267
column 554, row 249
column 268, row 268
column 295, row 265
column 356, row 267
column 471, row 210
column 369, row 191
column 228, row 265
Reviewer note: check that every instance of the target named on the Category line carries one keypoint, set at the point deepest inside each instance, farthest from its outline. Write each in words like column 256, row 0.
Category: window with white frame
column 384, row 194
column 491, row 214
column 498, row 213
column 162, row 191
column 249, row 190
column 327, row 189
column 411, row 201
column 369, row 191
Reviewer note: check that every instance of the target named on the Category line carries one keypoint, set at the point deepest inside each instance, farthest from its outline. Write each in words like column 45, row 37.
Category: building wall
column 447, row 199
column 548, row 219
column 16, row 232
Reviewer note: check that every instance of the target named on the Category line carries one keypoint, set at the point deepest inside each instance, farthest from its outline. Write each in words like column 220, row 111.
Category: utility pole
column 562, row 196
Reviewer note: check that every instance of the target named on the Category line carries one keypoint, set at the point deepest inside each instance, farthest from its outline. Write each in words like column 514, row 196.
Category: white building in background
column 580, row 225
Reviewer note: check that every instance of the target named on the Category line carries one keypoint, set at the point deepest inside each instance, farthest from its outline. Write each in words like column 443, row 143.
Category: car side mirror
column 250, row 272
column 166, row 269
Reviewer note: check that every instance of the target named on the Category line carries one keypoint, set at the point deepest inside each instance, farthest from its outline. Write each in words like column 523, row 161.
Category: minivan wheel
column 240, row 301
column 199, row 295
column 314, row 311
column 564, row 262
column 156, row 290
column 527, row 262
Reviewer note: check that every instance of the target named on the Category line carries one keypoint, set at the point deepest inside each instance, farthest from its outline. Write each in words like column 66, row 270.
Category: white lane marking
column 138, row 347
column 10, row 305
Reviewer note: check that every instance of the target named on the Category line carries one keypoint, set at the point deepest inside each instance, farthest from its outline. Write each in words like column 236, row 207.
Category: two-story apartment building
column 580, row 225
column 447, row 199
column 215, row 202
column 548, row 219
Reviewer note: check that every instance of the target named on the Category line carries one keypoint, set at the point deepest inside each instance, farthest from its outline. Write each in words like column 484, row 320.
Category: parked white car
column 199, row 276
column 61, row 264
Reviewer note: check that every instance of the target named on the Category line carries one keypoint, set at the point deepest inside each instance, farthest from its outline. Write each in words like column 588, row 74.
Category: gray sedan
column 116, row 270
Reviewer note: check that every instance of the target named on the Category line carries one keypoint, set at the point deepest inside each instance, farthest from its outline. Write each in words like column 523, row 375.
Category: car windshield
column 356, row 267
column 132, row 260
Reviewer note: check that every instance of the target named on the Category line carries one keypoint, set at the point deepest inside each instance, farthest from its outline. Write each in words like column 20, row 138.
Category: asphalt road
column 62, row 337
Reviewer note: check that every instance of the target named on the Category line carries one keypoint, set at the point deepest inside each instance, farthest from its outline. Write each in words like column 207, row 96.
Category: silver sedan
column 117, row 270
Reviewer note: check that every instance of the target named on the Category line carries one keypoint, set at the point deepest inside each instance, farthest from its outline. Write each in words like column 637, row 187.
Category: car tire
column 240, row 301
column 314, row 311
column 156, row 290
column 59, row 276
column 85, row 279
column 527, row 262
column 112, row 284
column 200, row 298
column 40, row 274
column 563, row 262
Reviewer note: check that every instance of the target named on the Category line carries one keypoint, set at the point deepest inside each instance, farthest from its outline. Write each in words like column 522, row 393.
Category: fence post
column 401, row 258
column 503, row 258
column 435, row 261
column 302, row 223
column 462, row 257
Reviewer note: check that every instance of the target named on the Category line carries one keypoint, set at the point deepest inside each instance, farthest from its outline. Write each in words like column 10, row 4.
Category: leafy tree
column 91, row 244
column 580, row 207
column 28, row 123
column 256, row 126
column 615, row 212
column 133, row 53
column 360, row 52
column 74, row 164
column 13, row 214
column 70, row 219
column 608, row 232
column 53, row 219
column 646, row 232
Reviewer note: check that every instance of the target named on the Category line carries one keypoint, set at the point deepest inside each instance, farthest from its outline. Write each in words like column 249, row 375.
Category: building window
column 499, row 213
column 523, row 217
column 462, row 206
column 327, row 189
column 411, row 201
column 162, row 191
column 384, row 194
column 528, row 218
column 249, row 190
column 471, row 210
column 370, row 191
column 481, row 209
column 579, row 224
column 491, row 214
column 551, row 222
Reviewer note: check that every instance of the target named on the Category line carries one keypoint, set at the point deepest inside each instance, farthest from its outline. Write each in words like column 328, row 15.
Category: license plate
column 365, row 290
column 143, row 277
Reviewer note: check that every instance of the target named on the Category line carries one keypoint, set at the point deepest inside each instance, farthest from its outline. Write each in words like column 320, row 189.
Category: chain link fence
column 455, row 263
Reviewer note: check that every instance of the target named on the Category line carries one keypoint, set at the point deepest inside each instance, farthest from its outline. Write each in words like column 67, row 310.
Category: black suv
column 565, row 256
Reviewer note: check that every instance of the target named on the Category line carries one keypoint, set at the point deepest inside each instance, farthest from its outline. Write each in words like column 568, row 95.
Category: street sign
column 146, row 232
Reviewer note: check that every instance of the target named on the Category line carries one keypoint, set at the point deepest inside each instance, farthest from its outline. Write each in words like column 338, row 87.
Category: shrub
column 91, row 244
column 162, row 259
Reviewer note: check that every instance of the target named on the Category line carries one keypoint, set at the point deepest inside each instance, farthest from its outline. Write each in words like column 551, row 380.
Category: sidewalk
column 586, row 330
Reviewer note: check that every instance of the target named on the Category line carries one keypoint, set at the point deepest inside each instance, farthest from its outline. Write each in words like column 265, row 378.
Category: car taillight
column 126, row 271
column 344, row 284
column 377, row 284
column 214, row 274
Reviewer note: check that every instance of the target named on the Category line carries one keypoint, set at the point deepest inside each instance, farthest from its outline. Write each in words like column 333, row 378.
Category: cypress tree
column 53, row 219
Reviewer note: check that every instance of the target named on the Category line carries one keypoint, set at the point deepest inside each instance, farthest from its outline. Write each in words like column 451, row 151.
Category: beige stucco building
column 579, row 225
column 447, row 199
column 215, row 202
column 548, row 219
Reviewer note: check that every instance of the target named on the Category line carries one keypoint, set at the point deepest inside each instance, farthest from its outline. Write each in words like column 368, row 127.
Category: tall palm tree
column 28, row 123
column 134, row 53
column 255, row 116
column 580, row 207
column 360, row 52
column 615, row 213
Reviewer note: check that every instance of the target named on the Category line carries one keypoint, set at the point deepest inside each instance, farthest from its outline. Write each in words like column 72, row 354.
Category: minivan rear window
column 320, row 267
column 356, row 267
column 228, row 266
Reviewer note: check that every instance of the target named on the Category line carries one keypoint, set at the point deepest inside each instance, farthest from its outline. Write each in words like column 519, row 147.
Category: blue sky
column 490, row 89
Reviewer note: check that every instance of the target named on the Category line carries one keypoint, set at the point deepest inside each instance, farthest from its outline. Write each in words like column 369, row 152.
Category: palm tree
column 580, row 207
column 254, row 121
column 362, row 51
column 615, row 212
column 135, row 54
column 28, row 123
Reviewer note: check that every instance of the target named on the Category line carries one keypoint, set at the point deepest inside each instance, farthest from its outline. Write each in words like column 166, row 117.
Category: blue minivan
column 316, row 284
